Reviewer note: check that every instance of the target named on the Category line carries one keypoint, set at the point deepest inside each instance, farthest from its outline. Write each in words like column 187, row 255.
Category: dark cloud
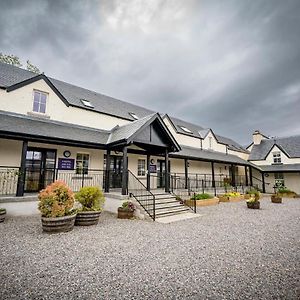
column 230, row 65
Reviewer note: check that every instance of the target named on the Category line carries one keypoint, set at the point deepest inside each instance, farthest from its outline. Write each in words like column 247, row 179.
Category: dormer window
column 87, row 103
column 277, row 157
column 39, row 101
column 185, row 129
column 133, row 115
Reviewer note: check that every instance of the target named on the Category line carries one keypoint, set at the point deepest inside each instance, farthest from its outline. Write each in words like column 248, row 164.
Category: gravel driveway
column 230, row 252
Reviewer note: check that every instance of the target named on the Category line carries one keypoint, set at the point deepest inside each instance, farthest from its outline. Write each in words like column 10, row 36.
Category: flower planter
column 2, row 214
column 58, row 224
column 276, row 199
column 230, row 199
column 223, row 199
column 253, row 205
column 247, row 196
column 288, row 195
column 87, row 218
column 204, row 202
column 125, row 213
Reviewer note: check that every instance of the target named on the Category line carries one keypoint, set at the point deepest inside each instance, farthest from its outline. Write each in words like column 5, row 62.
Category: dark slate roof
column 17, row 124
column 126, row 131
column 281, row 168
column 232, row 145
column 209, row 155
column 290, row 145
column 10, row 75
column 200, row 132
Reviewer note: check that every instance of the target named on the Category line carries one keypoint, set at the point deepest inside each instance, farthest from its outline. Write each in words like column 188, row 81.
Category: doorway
column 161, row 170
column 40, row 168
column 116, row 169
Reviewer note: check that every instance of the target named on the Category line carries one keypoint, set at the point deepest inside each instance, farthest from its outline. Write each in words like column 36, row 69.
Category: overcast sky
column 233, row 66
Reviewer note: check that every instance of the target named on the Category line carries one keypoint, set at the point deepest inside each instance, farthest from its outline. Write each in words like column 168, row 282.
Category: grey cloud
column 230, row 65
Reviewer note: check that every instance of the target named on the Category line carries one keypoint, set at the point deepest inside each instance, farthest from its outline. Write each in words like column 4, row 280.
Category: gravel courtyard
column 229, row 252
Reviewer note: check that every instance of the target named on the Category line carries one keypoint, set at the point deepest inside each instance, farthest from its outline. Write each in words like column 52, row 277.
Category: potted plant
column 126, row 211
column 253, row 203
column 56, row 206
column 275, row 198
column 91, row 199
column 2, row 214
column 230, row 197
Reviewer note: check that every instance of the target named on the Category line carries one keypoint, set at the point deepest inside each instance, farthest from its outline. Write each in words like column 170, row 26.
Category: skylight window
column 87, row 103
column 185, row 129
column 134, row 115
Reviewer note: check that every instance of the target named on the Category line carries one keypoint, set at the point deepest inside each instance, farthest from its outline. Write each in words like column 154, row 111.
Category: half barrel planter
column 58, row 224
column 2, row 214
column 125, row 213
column 253, row 205
column 276, row 199
column 87, row 218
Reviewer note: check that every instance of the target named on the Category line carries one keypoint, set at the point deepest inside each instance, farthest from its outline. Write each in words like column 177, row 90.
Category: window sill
column 37, row 114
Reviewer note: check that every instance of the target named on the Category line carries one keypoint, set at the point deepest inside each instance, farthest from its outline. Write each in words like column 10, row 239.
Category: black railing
column 139, row 192
column 9, row 180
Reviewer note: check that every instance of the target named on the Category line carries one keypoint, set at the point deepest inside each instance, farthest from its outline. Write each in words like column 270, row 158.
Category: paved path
column 230, row 252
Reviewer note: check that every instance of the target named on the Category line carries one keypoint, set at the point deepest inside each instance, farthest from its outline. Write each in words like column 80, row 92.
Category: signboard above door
column 65, row 163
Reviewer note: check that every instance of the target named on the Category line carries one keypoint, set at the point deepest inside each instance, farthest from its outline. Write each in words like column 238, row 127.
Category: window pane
column 42, row 108
column 36, row 106
column 43, row 98
column 36, row 97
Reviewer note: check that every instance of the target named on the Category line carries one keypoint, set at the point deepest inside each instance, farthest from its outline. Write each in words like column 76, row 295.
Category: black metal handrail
column 141, row 194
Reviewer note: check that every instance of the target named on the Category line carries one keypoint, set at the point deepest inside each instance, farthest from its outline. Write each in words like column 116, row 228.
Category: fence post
column 82, row 182
column 153, row 208
column 195, row 206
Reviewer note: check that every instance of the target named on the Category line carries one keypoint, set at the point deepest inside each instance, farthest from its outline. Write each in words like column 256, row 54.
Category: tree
column 15, row 61
column 32, row 68
column 10, row 59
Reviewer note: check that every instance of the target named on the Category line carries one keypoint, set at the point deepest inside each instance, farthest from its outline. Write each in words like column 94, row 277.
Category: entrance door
column 161, row 170
column 40, row 168
column 116, row 168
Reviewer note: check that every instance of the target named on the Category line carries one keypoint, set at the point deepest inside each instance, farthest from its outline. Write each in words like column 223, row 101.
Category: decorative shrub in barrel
column 2, row 214
column 91, row 199
column 276, row 199
column 56, row 203
column 126, row 211
column 253, row 203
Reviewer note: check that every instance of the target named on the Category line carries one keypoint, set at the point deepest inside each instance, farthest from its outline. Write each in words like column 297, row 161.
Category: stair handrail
column 148, row 193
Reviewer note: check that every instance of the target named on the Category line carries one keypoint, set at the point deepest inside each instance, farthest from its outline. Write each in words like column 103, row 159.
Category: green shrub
column 2, row 209
column 91, row 198
column 232, row 194
column 56, row 200
column 202, row 196
column 253, row 192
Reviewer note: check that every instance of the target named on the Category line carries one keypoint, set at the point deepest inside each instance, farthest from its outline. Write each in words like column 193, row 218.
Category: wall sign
column 65, row 163
column 152, row 168
column 67, row 153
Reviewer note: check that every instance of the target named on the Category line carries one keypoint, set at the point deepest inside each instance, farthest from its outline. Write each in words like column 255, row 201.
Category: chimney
column 257, row 137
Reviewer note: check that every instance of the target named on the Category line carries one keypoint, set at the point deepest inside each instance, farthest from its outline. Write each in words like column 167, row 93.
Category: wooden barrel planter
column 2, row 214
column 58, row 224
column 125, row 213
column 253, row 205
column 276, row 199
column 87, row 218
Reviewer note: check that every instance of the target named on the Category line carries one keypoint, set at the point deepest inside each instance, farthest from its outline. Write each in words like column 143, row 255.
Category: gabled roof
column 289, row 145
column 127, row 132
column 200, row 132
column 12, row 77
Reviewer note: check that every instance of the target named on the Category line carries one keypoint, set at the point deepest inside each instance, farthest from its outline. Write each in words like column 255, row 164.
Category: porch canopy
column 148, row 136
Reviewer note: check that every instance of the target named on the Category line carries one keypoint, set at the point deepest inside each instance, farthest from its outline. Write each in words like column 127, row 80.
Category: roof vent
column 87, row 103
column 134, row 115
